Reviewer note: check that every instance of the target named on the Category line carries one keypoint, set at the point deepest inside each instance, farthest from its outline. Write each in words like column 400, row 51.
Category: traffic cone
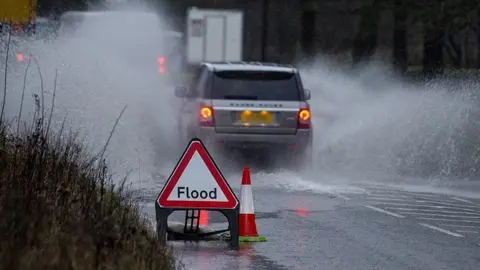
column 203, row 220
column 247, row 230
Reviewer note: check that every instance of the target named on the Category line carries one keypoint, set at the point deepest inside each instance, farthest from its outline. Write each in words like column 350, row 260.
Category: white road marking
column 384, row 211
column 463, row 200
column 459, row 226
column 402, row 195
column 390, row 190
column 451, row 220
column 440, row 215
column 406, row 210
column 429, row 206
column 441, row 230
column 421, row 201
column 465, row 231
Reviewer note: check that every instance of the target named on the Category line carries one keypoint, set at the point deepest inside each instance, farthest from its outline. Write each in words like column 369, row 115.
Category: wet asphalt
column 375, row 227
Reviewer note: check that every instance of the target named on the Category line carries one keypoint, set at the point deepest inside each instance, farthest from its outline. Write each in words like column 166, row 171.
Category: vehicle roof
column 110, row 14
column 43, row 19
column 138, row 15
column 107, row 13
column 249, row 66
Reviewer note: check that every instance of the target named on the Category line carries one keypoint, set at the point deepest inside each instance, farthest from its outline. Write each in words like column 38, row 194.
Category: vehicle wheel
column 182, row 138
column 302, row 161
column 308, row 160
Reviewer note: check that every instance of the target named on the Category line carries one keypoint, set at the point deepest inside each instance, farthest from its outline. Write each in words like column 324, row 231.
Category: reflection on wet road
column 382, row 228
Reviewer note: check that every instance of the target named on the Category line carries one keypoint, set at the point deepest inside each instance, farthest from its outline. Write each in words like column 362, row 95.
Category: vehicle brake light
column 161, row 64
column 304, row 118
column 206, row 116
column 20, row 57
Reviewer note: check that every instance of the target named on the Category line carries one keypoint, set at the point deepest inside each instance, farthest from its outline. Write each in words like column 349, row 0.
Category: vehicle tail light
column 20, row 57
column 206, row 115
column 304, row 118
column 161, row 64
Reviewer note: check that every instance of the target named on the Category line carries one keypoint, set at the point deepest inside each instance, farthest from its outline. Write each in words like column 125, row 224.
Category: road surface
column 379, row 228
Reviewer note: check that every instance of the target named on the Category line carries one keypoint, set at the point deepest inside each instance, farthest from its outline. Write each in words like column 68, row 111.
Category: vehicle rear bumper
column 301, row 140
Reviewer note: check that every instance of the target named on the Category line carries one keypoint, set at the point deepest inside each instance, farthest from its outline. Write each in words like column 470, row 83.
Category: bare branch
column 6, row 71
column 102, row 152
column 62, row 127
column 23, row 93
column 41, row 88
column 111, row 132
column 53, row 103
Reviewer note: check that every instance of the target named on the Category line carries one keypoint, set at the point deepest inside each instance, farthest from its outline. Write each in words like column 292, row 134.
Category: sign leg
column 232, row 216
column 162, row 222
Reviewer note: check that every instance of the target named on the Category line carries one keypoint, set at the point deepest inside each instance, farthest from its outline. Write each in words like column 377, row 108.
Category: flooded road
column 366, row 227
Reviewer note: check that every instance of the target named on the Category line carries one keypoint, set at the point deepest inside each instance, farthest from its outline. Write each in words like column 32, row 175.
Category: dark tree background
column 365, row 40
column 53, row 8
column 433, row 34
column 400, row 45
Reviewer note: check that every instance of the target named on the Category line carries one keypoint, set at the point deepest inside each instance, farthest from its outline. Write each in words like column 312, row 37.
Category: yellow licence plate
column 249, row 117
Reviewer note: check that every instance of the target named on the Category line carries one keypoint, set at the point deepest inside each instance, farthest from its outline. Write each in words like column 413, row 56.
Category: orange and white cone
column 247, row 230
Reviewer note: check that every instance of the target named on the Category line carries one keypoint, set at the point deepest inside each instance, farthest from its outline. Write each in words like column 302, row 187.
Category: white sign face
column 197, row 184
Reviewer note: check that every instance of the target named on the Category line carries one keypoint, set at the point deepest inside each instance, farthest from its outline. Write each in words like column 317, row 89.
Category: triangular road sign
column 196, row 182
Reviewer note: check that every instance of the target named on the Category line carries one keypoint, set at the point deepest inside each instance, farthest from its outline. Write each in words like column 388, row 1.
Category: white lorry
column 213, row 35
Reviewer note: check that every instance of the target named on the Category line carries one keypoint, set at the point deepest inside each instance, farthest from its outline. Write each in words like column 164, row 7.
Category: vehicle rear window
column 255, row 85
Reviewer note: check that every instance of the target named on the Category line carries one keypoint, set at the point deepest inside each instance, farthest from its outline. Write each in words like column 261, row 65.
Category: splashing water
column 108, row 63
column 371, row 126
column 368, row 126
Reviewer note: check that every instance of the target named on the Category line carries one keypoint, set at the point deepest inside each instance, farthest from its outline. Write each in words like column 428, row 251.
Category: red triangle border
column 197, row 146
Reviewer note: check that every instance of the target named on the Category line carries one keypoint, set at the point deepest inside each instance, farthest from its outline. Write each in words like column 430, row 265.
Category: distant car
column 20, row 43
column 137, row 37
column 45, row 29
column 248, row 106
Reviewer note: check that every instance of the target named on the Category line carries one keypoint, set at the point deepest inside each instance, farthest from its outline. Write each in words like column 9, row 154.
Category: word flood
column 185, row 192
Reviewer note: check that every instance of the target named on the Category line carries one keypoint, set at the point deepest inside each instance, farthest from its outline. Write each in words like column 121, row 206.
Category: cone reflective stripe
column 247, row 227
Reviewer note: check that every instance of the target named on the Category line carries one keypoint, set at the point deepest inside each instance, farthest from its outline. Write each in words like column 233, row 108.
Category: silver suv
column 248, row 105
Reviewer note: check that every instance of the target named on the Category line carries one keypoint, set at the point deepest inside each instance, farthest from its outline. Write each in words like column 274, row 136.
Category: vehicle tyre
column 308, row 159
column 184, row 137
column 180, row 136
column 302, row 161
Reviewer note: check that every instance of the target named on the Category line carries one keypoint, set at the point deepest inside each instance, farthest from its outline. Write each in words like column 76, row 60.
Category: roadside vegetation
column 60, row 207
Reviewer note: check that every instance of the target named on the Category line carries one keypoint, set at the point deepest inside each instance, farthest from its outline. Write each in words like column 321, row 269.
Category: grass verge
column 60, row 208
